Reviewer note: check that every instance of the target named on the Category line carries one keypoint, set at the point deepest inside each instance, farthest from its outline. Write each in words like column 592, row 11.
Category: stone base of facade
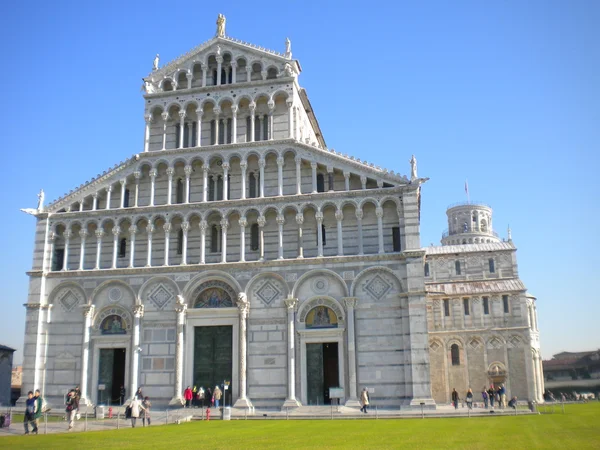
column 290, row 403
column 243, row 403
column 426, row 403
column 352, row 403
column 177, row 401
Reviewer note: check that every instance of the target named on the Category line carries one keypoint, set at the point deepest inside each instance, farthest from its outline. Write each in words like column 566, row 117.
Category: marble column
column 298, row 161
column 216, row 113
column 204, row 71
column 233, row 72
column 234, row 111
column 352, row 387
column 181, row 129
column 300, row 221
column 290, row 119
column 261, row 128
column 205, row 170
column 270, row 126
column 319, row 218
column 199, row 113
column 88, row 314
column 132, row 233
column 203, row 227
column 346, row 181
column 363, row 182
column 152, row 175
column 379, row 214
column 313, row 166
column 170, row 173
column 291, row 401
column 330, row 179
column 99, row 236
column 185, row 227
column 165, row 118
column 225, row 167
column 219, row 69
column 339, row 216
column 280, row 221
column 149, row 231
column 148, row 120
column 261, row 165
column 243, row 181
column 122, row 200
column 224, row 226
column 167, row 230
column 94, row 201
column 189, row 77
column 180, row 309
column 67, row 236
column 83, row 235
column 115, row 232
column 188, row 173
column 261, row 236
column 359, row 217
column 243, row 305
column 280, row 176
column 137, row 175
column 243, row 224
column 108, row 195
column 138, row 313
column 252, row 108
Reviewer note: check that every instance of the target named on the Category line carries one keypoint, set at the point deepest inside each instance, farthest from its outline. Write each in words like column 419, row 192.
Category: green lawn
column 577, row 429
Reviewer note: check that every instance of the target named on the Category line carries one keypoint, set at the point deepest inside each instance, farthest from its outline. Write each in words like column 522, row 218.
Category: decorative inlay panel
column 377, row 287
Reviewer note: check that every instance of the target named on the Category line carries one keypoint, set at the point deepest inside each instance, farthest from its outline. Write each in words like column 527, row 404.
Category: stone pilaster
column 291, row 401
column 243, row 305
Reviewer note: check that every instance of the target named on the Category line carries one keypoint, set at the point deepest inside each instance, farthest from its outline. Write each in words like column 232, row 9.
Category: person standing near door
column 187, row 396
column 122, row 395
column 217, row 394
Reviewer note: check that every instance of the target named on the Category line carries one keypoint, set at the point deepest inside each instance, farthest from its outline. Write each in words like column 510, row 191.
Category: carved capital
column 116, row 231
column 180, row 305
column 188, row 171
column 262, row 163
column 88, row 311
column 100, row 233
column 109, row 188
column 152, row 174
column 280, row 161
column 350, row 302
column 67, row 234
column 261, row 221
column 280, row 220
column 165, row 116
column 339, row 215
column 243, row 165
column 138, row 311
column 243, row 222
column 299, row 219
column 123, row 181
column 363, row 179
column 379, row 184
column 205, row 169
column 189, row 75
column 150, row 229
column 225, row 166
column 167, row 227
column 313, row 165
column 137, row 175
column 319, row 217
column 346, row 174
column 83, row 234
column 148, row 118
column 291, row 303
column 185, row 227
column 252, row 107
column 271, row 105
column 234, row 109
column 379, row 212
column 224, row 224
column 217, row 111
column 329, row 169
column 203, row 225
column 133, row 229
column 359, row 214
column 170, row 172
column 199, row 113
column 298, row 160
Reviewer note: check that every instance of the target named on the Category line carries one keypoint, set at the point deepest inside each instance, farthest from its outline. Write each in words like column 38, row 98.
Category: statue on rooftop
column 41, row 196
column 221, row 25
column 155, row 64
column 413, row 168
column 288, row 48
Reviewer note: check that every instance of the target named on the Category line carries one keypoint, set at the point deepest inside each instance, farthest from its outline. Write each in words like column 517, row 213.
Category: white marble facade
column 236, row 190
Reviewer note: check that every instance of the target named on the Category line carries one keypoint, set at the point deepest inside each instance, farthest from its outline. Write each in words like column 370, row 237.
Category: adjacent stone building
column 6, row 361
column 235, row 248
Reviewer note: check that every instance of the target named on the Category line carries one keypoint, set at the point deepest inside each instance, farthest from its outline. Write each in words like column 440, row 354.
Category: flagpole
column 467, row 191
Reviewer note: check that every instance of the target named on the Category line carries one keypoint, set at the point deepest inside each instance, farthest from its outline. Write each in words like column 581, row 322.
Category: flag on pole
column 467, row 190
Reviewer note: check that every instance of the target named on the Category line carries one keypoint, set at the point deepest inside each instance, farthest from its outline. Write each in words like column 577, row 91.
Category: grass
column 577, row 428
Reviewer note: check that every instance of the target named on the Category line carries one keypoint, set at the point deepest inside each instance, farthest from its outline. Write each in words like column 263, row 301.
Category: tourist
column 491, row 395
column 201, row 396
column 136, row 408
column 455, row 398
column 71, row 408
column 39, row 403
column 139, row 394
column 122, row 395
column 364, row 400
column 502, row 396
column 217, row 394
column 194, row 397
column 484, row 396
column 146, row 404
column 513, row 403
column 469, row 398
column 29, row 416
column 208, row 397
column 187, row 396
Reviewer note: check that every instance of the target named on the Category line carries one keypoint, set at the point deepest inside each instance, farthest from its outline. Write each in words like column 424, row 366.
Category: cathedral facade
column 236, row 249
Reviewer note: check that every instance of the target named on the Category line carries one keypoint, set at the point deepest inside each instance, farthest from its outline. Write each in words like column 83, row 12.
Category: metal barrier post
column 563, row 407
column 422, row 410
column 376, row 412
column 118, row 421
column 86, row 410
column 45, row 423
column 167, row 417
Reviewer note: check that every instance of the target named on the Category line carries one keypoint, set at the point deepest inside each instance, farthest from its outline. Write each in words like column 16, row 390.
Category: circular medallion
column 320, row 285
column 115, row 294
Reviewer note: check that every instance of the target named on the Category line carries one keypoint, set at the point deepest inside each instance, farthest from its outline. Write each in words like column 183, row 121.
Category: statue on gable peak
column 221, row 25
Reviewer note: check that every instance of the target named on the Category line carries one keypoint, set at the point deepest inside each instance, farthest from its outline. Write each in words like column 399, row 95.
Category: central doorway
column 213, row 358
column 111, row 375
column 322, row 371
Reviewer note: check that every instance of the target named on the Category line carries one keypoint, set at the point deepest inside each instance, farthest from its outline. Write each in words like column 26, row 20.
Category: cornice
column 479, row 330
column 324, row 261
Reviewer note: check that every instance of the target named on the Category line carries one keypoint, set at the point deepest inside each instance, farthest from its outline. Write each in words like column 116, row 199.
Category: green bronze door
column 315, row 381
column 213, row 356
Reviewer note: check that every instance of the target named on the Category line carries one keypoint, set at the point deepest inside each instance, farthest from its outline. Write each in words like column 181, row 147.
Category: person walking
column 187, row 396
column 484, row 396
column 39, row 403
column 364, row 400
column 136, row 409
column 469, row 399
column 455, row 398
column 146, row 404
column 491, row 395
column 201, row 397
column 71, row 408
column 122, row 395
column 139, row 395
column 502, row 396
column 208, row 398
column 29, row 416
column 217, row 394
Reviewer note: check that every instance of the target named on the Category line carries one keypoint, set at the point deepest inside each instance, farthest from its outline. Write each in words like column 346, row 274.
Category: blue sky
column 504, row 94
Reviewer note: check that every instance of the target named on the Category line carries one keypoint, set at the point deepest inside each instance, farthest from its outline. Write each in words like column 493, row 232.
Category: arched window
column 186, row 135
column 122, row 247
column 492, row 265
column 58, row 259
column 212, row 133
column 179, row 191
column 211, row 189
column 272, row 74
column 257, row 135
column 229, row 129
column 180, row 242
column 265, row 134
column 214, row 77
column 248, row 131
column 177, row 135
column 455, row 355
column 126, row 199
column 214, row 239
column 322, row 234
column 320, row 183
column 254, row 237
column 396, row 238
column 426, row 269
column 252, row 185
column 219, row 188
